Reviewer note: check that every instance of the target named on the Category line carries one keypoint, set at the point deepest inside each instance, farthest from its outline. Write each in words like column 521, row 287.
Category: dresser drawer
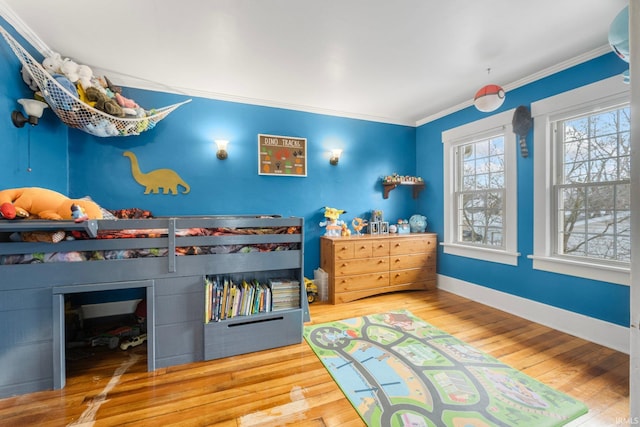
column 412, row 245
column 362, row 249
column 380, row 248
column 361, row 266
column 361, row 281
column 400, row 262
column 400, row 277
column 343, row 250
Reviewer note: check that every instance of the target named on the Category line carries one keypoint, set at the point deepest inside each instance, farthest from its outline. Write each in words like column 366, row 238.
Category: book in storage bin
column 226, row 298
column 231, row 327
column 285, row 293
column 257, row 307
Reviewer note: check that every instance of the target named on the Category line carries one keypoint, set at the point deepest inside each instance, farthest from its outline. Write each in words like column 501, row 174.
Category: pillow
column 106, row 214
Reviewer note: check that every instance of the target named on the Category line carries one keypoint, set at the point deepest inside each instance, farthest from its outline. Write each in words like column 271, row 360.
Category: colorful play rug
column 398, row 370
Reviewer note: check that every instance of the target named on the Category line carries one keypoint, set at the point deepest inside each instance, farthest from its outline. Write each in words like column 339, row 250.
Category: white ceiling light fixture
column 489, row 98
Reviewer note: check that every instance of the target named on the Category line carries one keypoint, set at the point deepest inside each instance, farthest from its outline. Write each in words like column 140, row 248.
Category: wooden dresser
column 361, row 266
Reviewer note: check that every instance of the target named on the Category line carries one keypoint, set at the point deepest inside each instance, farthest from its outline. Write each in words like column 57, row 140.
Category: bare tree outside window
column 480, row 192
column 593, row 185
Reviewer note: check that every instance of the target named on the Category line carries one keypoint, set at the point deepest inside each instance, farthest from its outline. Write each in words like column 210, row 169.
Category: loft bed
column 168, row 260
column 131, row 249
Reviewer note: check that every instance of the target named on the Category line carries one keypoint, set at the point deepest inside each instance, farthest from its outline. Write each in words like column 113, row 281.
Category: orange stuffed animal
column 43, row 203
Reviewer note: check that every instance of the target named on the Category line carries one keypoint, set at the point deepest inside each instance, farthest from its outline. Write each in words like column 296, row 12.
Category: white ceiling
column 401, row 61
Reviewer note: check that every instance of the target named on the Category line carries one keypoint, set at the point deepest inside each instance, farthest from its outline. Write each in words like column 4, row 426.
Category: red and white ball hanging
column 489, row 98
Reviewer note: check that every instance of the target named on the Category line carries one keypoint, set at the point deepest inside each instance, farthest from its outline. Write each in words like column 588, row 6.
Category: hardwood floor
column 289, row 386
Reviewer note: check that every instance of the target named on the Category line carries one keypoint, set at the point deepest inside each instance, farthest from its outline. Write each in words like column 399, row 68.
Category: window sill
column 586, row 270
column 483, row 254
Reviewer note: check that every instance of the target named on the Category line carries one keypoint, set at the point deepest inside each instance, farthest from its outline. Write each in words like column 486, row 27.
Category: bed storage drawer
column 252, row 333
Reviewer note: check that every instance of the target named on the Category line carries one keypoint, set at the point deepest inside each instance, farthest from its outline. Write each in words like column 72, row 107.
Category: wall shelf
column 388, row 186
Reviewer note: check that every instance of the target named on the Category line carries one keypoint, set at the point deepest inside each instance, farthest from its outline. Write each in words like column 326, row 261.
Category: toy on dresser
column 403, row 226
column 332, row 224
column 418, row 223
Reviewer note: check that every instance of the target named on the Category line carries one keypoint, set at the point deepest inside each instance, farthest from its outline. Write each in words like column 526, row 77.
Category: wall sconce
column 335, row 156
column 222, row 148
column 34, row 110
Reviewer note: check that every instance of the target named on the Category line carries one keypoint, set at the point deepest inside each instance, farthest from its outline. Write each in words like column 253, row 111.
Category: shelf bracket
column 388, row 186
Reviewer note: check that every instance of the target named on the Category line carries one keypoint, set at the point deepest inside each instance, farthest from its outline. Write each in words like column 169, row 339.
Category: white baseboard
column 598, row 331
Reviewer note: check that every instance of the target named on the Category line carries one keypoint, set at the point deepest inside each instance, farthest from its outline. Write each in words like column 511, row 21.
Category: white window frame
column 487, row 127
column 590, row 98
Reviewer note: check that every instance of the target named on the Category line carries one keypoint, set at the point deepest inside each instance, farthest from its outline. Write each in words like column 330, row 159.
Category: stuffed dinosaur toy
column 44, row 204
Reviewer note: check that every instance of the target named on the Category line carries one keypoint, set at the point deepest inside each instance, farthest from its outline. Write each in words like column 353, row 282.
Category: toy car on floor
column 312, row 290
column 133, row 342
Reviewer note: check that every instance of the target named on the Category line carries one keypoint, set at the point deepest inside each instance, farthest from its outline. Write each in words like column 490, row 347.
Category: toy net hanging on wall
column 80, row 115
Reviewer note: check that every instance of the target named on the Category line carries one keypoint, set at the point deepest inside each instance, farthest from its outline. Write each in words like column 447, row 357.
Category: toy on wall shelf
column 332, row 224
column 401, row 179
column 394, row 180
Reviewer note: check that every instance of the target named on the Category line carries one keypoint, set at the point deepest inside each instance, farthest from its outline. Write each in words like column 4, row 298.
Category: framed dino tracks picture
column 282, row 155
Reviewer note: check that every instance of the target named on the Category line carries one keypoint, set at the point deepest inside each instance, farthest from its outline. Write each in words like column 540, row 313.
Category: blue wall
column 184, row 142
column 601, row 300
column 43, row 147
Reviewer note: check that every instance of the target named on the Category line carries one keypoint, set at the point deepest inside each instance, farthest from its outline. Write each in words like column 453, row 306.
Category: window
column 592, row 188
column 582, row 182
column 480, row 190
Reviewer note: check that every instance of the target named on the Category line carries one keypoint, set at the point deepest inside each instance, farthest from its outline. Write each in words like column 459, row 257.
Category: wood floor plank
column 290, row 386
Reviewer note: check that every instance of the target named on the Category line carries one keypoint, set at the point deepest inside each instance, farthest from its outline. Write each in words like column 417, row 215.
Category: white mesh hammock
column 77, row 114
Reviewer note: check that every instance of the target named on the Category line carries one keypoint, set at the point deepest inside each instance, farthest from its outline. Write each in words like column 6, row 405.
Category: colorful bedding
column 100, row 255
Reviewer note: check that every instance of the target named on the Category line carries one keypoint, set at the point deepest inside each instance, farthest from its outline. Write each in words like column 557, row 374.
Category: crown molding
column 561, row 66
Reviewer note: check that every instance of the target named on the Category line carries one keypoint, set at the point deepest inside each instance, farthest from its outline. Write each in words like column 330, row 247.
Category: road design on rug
column 398, row 370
